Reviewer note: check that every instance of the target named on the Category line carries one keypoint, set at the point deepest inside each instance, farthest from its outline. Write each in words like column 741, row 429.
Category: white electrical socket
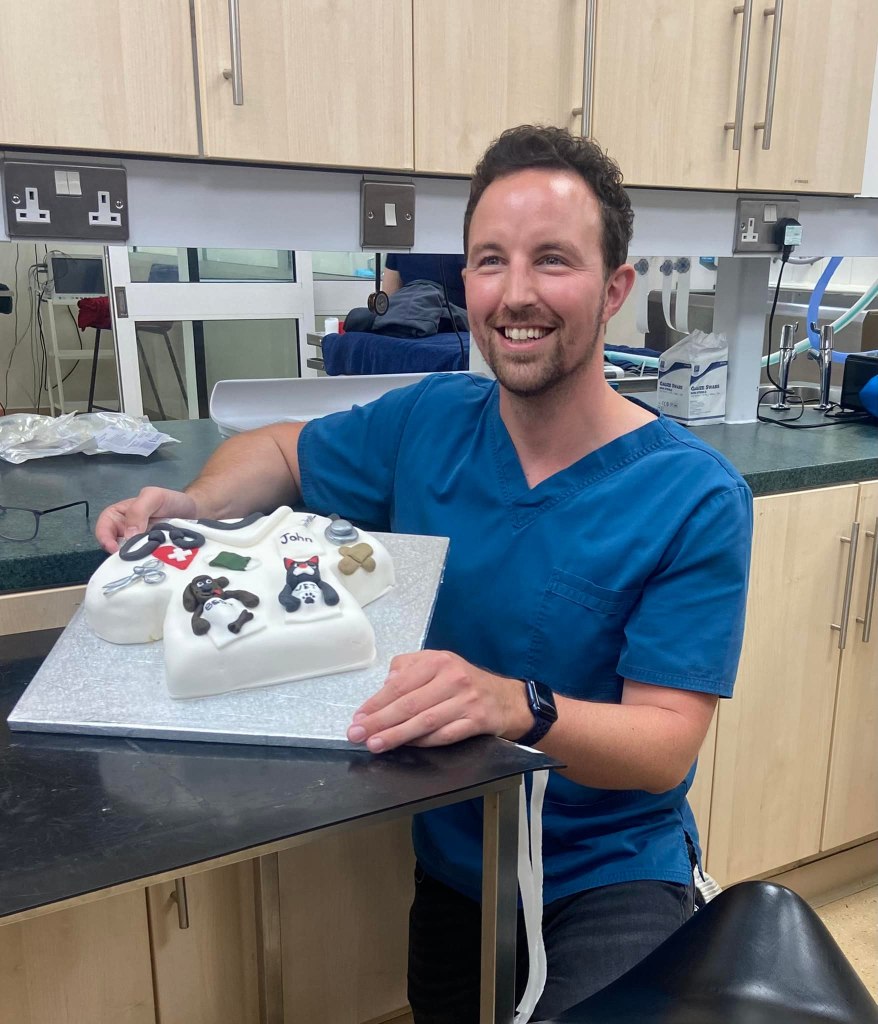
column 750, row 234
column 102, row 215
column 32, row 212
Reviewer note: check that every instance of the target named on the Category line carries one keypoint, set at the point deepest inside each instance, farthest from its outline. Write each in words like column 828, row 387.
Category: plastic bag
column 25, row 436
column 692, row 379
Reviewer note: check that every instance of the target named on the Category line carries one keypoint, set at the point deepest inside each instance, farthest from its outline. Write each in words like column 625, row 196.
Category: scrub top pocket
column 576, row 636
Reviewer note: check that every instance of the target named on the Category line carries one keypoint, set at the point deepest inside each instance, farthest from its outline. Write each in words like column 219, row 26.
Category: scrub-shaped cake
column 244, row 603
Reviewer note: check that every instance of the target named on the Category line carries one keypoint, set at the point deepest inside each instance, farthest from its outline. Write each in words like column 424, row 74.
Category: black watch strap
column 541, row 701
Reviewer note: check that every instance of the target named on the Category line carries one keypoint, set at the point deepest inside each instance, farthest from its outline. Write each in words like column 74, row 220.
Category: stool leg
column 149, row 376
column 94, row 371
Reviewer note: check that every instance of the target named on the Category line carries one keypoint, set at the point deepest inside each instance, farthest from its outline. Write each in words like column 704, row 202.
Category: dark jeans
column 591, row 938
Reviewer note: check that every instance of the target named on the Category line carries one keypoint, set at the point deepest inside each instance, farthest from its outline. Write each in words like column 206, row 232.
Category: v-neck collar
column 526, row 502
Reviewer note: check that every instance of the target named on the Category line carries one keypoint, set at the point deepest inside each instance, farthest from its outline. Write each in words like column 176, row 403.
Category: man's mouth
column 524, row 333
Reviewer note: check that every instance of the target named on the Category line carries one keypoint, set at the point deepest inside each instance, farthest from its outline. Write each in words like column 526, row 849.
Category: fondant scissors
column 149, row 571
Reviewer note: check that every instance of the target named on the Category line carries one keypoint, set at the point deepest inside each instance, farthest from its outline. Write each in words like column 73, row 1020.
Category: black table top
column 81, row 814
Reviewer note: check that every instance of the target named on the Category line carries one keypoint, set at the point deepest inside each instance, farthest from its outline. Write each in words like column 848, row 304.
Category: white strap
column 641, row 295
column 681, row 307
column 530, row 881
column 667, row 272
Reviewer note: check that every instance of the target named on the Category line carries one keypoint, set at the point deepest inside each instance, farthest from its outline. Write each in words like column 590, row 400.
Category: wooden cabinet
column 852, row 793
column 325, row 82
column 666, row 85
column 98, row 74
column 825, row 66
column 483, row 67
column 345, row 901
column 206, row 973
column 803, row 712
column 665, row 79
column 84, row 965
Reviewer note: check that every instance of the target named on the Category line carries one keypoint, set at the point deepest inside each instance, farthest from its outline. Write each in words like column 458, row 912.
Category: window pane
column 174, row 356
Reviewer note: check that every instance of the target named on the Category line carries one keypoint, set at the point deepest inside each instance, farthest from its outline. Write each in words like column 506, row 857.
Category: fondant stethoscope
column 181, row 537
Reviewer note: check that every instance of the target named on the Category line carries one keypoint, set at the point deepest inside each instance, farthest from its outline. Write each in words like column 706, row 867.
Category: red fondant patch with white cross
column 179, row 558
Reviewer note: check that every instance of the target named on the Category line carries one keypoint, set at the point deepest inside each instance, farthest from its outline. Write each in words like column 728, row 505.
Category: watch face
column 542, row 700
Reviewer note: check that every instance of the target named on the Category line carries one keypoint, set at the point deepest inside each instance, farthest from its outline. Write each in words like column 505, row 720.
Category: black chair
column 756, row 954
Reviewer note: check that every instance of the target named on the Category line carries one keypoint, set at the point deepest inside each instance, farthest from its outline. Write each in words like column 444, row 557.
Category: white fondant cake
column 244, row 603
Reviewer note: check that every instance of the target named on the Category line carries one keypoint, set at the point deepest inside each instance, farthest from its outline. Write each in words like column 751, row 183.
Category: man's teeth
column 525, row 333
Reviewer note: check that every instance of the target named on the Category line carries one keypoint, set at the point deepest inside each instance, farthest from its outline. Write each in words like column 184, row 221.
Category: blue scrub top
column 631, row 563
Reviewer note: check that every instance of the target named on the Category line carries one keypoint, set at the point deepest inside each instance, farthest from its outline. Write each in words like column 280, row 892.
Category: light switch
column 73, row 185
column 61, row 186
column 387, row 215
column 769, row 213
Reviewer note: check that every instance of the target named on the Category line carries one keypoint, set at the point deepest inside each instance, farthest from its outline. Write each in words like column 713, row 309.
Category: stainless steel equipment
column 787, row 355
column 823, row 358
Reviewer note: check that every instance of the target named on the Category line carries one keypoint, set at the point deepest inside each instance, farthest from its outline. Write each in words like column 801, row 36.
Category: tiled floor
column 853, row 922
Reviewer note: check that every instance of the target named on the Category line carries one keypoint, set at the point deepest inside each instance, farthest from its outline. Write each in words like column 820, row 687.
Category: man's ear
column 617, row 290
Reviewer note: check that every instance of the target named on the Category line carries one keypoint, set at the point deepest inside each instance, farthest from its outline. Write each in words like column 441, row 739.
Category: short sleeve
column 688, row 626
column 347, row 460
column 391, row 261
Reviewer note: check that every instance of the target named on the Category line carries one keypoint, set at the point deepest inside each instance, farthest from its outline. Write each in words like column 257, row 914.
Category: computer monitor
column 76, row 277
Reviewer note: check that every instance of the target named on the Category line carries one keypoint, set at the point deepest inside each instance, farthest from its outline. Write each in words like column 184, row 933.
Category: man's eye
column 552, row 261
column 489, row 261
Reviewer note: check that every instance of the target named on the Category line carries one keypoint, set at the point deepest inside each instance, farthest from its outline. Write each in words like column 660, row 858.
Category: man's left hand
column 433, row 698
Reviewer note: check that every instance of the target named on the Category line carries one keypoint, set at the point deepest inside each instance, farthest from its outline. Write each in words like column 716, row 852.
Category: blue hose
column 817, row 298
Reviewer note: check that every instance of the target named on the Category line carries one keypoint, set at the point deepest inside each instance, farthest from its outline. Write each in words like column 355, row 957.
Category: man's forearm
column 628, row 746
column 251, row 472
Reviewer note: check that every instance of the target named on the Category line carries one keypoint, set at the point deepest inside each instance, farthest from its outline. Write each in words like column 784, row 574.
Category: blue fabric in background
column 356, row 353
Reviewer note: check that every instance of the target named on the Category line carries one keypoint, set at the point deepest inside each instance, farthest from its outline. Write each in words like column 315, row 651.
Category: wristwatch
column 541, row 701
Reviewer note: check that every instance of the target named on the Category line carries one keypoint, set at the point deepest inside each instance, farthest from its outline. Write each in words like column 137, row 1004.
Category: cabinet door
column 665, row 84
column 325, row 82
column 85, row 965
column 98, row 74
column 344, row 919
column 852, row 795
column 773, row 737
column 206, row 973
column 487, row 66
column 825, row 65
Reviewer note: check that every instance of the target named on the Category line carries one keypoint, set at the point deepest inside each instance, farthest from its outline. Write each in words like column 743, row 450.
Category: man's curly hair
column 528, row 147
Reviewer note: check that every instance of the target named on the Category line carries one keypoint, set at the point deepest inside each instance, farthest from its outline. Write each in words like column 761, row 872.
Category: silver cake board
column 91, row 687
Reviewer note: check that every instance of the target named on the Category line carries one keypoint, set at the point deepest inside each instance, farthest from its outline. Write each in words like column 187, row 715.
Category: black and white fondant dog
column 304, row 585
column 212, row 605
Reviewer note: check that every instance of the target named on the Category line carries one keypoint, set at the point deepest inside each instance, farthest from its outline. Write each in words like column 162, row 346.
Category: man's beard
column 527, row 377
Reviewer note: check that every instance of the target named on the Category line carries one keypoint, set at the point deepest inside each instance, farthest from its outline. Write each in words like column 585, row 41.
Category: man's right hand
column 126, row 518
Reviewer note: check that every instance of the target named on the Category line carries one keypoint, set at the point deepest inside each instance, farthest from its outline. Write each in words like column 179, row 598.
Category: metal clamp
column 737, row 125
column 588, row 68
column 234, row 72
column 848, row 586
column 873, row 584
column 179, row 897
column 777, row 13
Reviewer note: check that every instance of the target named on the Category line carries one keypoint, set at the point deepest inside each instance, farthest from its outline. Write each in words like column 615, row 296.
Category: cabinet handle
column 777, row 13
column 179, row 897
column 234, row 72
column 588, row 69
column 848, row 586
column 870, row 589
column 737, row 125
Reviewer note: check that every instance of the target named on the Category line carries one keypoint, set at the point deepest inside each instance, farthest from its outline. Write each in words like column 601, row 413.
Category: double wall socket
column 756, row 220
column 65, row 201
column 387, row 210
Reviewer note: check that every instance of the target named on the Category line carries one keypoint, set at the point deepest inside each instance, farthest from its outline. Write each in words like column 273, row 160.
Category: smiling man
column 593, row 599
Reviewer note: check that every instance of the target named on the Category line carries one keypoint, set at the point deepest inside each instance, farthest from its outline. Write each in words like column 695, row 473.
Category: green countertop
column 65, row 552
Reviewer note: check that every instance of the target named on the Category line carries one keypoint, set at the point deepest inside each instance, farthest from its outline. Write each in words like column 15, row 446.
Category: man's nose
column 520, row 287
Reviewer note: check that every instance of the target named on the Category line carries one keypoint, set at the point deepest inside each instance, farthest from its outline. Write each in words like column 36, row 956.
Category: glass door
column 186, row 318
